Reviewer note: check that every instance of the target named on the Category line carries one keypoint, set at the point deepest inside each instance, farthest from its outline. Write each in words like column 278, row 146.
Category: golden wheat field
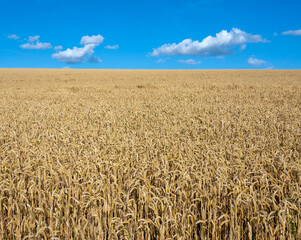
column 150, row 154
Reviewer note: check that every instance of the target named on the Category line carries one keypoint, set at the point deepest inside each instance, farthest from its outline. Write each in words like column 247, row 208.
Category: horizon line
column 181, row 69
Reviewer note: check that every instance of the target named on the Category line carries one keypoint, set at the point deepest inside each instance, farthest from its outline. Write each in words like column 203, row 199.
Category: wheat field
column 150, row 154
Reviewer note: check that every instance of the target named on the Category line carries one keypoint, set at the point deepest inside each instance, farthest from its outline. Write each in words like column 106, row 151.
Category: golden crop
column 149, row 154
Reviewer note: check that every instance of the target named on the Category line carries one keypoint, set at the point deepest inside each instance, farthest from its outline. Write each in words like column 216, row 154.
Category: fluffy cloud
column 113, row 47
column 161, row 60
column 80, row 55
column 58, row 48
column 13, row 36
column 190, row 62
column 74, row 55
column 255, row 62
column 94, row 59
column 33, row 38
column 95, row 39
column 34, row 43
column 293, row 32
column 222, row 44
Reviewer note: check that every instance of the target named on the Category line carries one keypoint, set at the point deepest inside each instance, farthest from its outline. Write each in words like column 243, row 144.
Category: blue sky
column 153, row 34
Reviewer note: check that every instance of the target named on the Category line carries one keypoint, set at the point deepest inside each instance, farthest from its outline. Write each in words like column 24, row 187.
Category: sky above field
column 153, row 34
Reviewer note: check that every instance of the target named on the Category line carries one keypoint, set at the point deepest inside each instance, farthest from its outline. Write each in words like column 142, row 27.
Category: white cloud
column 13, row 36
column 222, row 44
column 34, row 43
column 94, row 39
column 255, row 62
column 66, row 67
column 293, row 32
column 74, row 55
column 190, row 62
column 113, row 47
column 94, row 59
column 161, row 60
column 58, row 48
column 80, row 55
column 33, row 38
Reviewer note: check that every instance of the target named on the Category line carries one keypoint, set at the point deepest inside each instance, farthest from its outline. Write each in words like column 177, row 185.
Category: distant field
column 150, row 154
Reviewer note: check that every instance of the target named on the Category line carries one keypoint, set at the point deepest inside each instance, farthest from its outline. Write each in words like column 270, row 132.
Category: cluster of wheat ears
column 112, row 154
